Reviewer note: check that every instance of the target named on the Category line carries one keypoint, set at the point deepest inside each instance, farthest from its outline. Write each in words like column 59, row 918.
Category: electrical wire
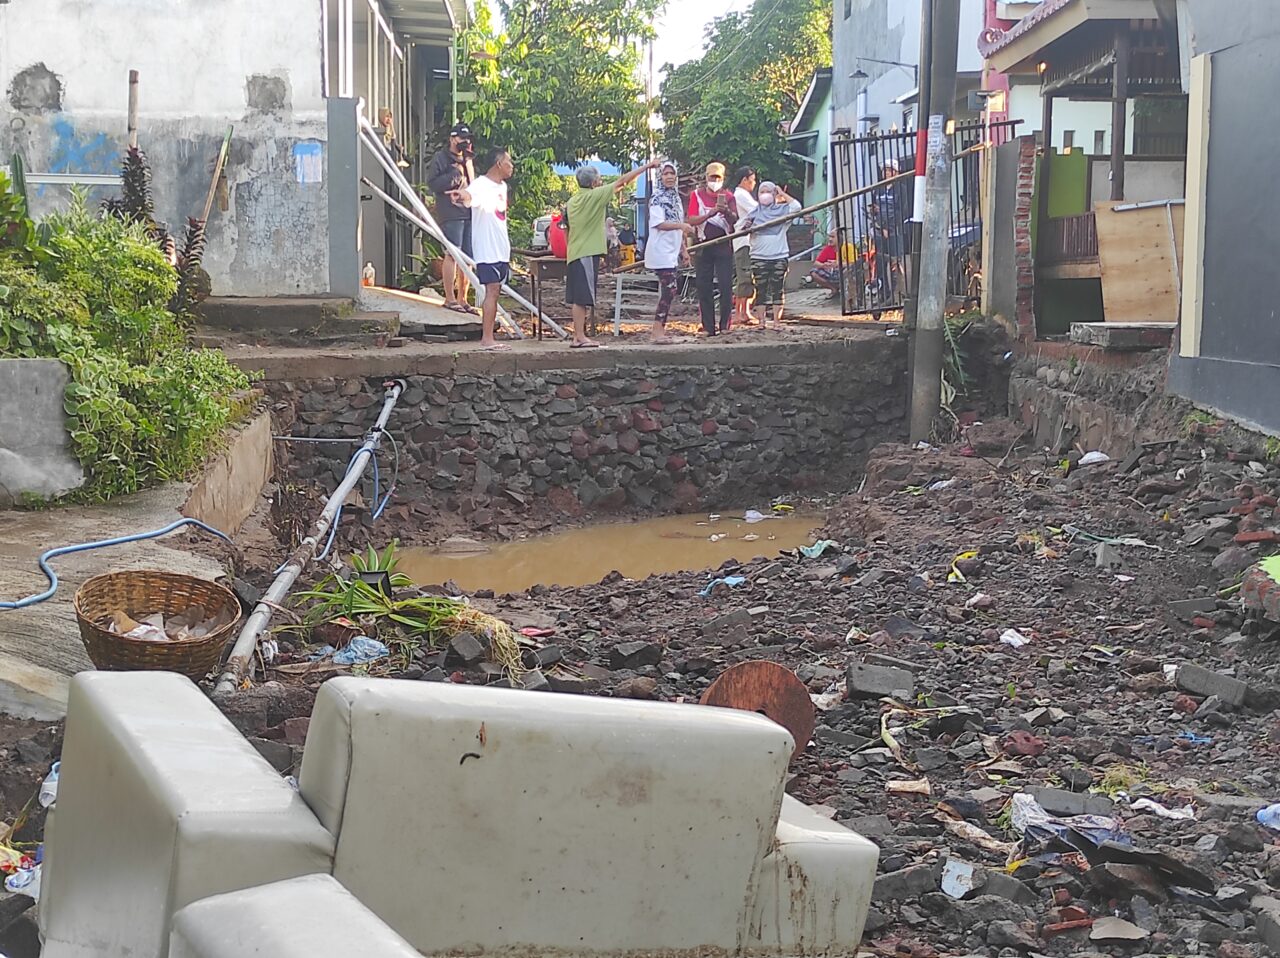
column 728, row 56
column 52, row 576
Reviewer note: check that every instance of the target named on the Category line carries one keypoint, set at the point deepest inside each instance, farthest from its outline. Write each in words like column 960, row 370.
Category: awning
column 1017, row 49
column 431, row 22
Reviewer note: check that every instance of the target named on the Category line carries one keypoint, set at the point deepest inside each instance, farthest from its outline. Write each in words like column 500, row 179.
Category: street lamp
column 861, row 74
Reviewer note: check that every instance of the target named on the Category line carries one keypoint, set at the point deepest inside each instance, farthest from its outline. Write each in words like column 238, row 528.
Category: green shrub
column 143, row 407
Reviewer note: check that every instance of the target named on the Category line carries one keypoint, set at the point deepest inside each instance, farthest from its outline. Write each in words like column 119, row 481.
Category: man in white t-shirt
column 486, row 197
column 744, row 290
column 665, row 251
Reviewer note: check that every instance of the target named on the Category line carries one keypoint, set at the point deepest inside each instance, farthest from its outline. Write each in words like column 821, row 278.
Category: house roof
column 431, row 22
column 1005, row 50
column 819, row 87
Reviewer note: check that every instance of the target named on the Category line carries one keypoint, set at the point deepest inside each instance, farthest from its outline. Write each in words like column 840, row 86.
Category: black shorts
column 493, row 274
column 580, row 281
column 458, row 232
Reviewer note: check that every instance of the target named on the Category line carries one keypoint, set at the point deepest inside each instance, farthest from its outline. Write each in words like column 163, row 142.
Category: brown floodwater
column 582, row 556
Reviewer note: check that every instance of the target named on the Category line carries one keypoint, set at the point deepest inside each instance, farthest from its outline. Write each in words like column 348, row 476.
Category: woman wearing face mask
column 770, row 251
column 713, row 211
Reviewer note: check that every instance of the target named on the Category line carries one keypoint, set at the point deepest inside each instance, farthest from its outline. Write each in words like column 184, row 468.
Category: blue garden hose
column 101, row 544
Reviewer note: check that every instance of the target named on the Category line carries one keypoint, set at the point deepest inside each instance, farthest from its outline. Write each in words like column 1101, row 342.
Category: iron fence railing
column 876, row 226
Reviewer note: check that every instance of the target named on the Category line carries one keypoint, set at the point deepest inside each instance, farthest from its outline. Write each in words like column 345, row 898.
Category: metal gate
column 874, row 234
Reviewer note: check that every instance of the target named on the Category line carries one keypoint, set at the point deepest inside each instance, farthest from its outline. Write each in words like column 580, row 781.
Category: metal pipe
column 423, row 225
column 428, row 222
column 240, row 664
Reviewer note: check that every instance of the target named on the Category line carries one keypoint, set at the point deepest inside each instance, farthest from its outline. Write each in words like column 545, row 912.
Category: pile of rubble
column 1037, row 690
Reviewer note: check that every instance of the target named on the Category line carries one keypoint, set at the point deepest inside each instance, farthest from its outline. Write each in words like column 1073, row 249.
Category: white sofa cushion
column 493, row 820
column 161, row 802
column 310, row 917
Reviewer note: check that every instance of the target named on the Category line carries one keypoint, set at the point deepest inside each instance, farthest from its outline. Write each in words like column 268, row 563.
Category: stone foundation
column 652, row 437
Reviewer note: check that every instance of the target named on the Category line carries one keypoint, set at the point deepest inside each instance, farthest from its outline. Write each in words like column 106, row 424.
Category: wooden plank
column 1090, row 270
column 1140, row 263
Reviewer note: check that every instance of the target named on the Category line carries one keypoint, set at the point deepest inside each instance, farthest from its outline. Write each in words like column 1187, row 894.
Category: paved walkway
column 40, row 647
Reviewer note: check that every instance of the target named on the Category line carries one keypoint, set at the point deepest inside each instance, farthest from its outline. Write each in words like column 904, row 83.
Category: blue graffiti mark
column 308, row 162
column 73, row 153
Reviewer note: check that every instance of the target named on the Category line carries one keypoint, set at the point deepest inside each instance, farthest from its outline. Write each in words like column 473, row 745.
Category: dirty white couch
column 468, row 820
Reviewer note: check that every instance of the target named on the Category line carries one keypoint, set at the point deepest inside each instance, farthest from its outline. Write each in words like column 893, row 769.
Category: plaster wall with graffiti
column 254, row 68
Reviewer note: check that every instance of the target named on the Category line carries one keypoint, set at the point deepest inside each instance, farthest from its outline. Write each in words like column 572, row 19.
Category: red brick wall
column 1024, row 255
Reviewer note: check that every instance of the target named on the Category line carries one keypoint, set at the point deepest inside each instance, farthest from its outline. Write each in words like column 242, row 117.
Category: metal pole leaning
column 424, row 214
column 422, row 224
column 376, row 147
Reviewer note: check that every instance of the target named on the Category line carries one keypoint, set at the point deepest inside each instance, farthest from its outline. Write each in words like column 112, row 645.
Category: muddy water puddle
column 582, row 556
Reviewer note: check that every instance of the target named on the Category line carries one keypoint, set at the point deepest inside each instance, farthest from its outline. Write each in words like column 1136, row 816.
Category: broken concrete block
column 1188, row 609
column 911, row 882
column 730, row 620
column 532, row 681
column 467, row 648
column 1201, row 681
column 1058, row 801
column 634, row 655
column 877, row 681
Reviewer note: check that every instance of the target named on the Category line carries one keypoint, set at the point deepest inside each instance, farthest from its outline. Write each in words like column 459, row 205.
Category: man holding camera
column 452, row 169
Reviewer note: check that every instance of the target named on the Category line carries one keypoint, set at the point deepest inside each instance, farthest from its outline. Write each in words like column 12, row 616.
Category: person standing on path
column 744, row 288
column 666, row 250
column 584, row 216
column 451, row 170
column 486, row 198
column 770, row 251
column 713, row 211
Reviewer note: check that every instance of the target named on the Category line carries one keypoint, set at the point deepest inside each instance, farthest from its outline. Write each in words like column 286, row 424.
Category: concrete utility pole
column 928, row 339
column 922, row 123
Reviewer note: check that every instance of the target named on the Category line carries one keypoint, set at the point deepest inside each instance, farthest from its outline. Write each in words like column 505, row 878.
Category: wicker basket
column 144, row 593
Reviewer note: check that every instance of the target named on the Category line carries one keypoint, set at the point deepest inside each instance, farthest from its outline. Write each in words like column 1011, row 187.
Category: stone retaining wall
column 602, row 439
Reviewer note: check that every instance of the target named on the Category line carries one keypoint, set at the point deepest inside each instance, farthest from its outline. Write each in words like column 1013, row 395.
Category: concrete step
column 274, row 312
column 355, row 329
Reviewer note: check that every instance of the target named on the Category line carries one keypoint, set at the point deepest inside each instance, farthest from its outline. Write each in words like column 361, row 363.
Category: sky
column 681, row 28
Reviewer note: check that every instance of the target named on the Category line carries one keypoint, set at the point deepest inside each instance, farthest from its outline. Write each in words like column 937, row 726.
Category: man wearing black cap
column 452, row 170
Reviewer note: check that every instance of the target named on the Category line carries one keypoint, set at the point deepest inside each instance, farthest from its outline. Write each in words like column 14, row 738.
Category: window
column 909, row 118
column 848, row 9
column 1099, row 142
column 1068, row 140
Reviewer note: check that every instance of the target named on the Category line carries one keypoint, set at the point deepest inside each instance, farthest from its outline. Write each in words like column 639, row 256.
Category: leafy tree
column 729, row 104
column 557, row 81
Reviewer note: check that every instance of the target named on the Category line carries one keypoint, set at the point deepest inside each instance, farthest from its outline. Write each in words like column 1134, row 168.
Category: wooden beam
column 1046, row 161
column 1119, row 110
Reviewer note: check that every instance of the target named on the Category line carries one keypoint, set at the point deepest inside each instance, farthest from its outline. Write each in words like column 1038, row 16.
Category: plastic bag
column 49, row 787
column 25, row 881
column 360, row 651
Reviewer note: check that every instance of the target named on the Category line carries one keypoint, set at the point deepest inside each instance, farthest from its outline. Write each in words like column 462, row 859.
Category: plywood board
column 1141, row 258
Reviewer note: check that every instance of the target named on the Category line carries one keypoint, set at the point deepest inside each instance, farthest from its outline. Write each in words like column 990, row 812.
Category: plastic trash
column 1094, row 458
column 1029, row 819
column 732, row 581
column 752, row 516
column 1184, row 814
column 270, row 650
column 959, row 878
column 26, row 881
column 819, row 548
column 1014, row 638
column 49, row 787
column 1269, row 817
column 360, row 651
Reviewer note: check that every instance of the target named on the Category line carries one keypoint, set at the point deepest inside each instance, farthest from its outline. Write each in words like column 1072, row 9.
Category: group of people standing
column 744, row 255
column 745, row 229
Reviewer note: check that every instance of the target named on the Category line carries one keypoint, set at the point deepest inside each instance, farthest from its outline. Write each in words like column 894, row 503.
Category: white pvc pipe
column 240, row 664
column 397, row 176
column 422, row 224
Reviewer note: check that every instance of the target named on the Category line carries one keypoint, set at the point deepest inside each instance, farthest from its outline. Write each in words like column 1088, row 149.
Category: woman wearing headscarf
column 666, row 250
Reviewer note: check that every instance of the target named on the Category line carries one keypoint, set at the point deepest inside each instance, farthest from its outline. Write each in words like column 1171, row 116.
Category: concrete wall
column 703, row 429
column 64, row 66
column 1230, row 355
column 1085, row 118
column 1144, row 180
column 887, row 30
column 35, row 450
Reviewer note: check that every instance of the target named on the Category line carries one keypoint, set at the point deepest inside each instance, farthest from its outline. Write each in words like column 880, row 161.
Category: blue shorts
column 493, row 274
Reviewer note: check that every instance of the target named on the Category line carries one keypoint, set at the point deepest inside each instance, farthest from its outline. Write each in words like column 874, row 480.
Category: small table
column 540, row 268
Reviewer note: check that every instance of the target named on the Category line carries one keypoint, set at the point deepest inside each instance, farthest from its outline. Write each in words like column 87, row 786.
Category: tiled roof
column 994, row 39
